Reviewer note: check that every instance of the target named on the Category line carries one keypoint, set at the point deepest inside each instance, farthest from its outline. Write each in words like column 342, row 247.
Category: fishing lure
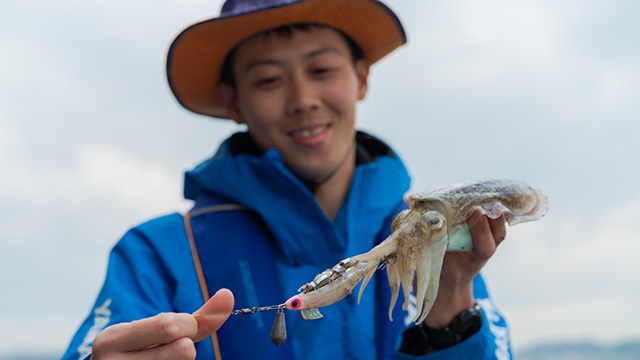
column 330, row 286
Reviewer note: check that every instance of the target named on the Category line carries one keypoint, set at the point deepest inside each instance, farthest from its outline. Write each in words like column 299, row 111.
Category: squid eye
column 295, row 303
column 433, row 219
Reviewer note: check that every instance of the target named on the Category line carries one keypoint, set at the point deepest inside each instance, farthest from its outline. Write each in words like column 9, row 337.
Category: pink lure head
column 294, row 303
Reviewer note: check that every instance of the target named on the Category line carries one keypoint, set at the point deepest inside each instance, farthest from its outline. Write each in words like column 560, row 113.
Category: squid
column 435, row 222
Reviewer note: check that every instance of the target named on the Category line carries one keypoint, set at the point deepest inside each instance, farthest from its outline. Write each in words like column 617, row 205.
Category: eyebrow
column 322, row 51
column 275, row 62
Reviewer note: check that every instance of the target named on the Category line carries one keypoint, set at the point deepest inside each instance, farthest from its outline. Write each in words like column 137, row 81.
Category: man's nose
column 303, row 96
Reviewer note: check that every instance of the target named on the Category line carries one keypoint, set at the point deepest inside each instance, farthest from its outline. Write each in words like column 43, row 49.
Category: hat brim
column 195, row 57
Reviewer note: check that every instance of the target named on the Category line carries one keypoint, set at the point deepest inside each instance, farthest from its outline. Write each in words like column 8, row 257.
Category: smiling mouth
column 309, row 132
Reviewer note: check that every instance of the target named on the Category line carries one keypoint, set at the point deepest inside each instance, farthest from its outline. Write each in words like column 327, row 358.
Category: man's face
column 298, row 94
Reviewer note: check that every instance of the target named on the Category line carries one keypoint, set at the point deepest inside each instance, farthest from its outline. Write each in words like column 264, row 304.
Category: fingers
column 487, row 234
column 498, row 229
column 182, row 348
column 213, row 313
column 164, row 336
column 160, row 333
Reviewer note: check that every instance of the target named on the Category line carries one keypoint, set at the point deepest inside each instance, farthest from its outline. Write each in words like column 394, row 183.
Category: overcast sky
column 544, row 91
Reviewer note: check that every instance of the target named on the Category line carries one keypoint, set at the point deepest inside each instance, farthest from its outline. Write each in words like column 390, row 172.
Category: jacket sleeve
column 137, row 285
column 492, row 341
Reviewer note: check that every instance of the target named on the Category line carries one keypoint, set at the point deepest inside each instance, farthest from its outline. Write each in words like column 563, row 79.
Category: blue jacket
column 264, row 252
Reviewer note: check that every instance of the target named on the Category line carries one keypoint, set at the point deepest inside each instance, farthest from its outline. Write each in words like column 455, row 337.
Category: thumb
column 213, row 313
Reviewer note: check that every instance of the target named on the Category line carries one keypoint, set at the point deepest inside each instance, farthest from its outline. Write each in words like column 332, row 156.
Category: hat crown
column 237, row 7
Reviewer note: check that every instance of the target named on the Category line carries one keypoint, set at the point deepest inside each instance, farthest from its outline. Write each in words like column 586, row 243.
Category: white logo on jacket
column 500, row 332
column 101, row 318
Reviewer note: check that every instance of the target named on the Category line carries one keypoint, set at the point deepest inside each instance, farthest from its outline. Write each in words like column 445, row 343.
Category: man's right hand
column 166, row 335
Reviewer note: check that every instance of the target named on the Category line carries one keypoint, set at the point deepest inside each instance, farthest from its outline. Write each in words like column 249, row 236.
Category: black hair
column 226, row 73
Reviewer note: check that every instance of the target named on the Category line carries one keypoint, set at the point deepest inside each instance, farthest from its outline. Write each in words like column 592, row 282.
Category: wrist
column 448, row 305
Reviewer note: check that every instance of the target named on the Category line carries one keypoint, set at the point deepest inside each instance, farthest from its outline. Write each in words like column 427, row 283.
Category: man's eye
column 323, row 70
column 267, row 81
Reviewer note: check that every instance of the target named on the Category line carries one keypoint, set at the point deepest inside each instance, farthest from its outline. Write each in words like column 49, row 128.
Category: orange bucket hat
column 195, row 58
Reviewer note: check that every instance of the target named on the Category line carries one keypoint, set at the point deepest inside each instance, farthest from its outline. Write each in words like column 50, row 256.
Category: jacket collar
column 238, row 173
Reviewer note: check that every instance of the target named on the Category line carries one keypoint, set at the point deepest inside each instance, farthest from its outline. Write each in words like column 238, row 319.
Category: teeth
column 309, row 132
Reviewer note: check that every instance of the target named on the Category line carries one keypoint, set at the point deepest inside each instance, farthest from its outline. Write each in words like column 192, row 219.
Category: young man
column 295, row 194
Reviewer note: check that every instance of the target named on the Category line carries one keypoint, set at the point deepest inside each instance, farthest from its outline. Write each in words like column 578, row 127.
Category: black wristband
column 421, row 339
column 459, row 329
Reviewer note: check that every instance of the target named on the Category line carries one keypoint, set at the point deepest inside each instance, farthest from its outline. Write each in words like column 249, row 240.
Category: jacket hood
column 238, row 174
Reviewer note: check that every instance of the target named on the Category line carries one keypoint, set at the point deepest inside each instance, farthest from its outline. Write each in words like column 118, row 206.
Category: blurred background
column 548, row 92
